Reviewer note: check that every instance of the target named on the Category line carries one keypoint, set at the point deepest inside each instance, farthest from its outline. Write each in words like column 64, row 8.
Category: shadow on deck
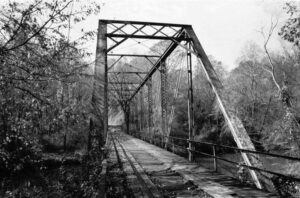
column 155, row 160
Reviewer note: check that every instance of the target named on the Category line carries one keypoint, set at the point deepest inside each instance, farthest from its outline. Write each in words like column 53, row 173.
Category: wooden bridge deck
column 162, row 171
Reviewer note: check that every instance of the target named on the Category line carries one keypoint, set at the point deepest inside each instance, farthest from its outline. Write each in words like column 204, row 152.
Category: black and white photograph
column 149, row 99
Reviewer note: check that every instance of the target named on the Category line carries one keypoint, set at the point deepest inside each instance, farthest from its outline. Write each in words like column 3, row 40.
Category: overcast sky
column 222, row 26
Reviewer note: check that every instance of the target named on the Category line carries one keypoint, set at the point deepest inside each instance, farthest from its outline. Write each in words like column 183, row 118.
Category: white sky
column 222, row 26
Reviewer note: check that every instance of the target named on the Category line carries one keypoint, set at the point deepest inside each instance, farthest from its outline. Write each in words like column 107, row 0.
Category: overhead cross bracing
column 113, row 35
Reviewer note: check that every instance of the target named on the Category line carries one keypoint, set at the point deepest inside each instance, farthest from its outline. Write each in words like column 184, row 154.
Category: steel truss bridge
column 114, row 33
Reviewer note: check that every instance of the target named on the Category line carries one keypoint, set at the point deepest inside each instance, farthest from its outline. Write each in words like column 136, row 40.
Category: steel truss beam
column 127, row 72
column 141, row 99
column 157, row 27
column 101, row 75
column 143, row 23
column 124, row 38
column 135, row 55
column 190, row 102
column 163, row 93
column 235, row 125
column 186, row 33
column 143, row 37
column 120, row 83
column 156, row 65
column 150, row 107
column 113, row 64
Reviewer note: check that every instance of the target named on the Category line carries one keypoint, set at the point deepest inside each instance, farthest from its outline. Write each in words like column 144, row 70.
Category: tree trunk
column 89, row 143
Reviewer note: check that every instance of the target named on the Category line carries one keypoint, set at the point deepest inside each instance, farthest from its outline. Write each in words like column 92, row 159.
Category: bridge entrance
column 133, row 86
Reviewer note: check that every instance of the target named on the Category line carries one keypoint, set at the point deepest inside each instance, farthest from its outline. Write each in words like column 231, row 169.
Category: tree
column 40, row 68
column 290, row 30
column 290, row 122
column 250, row 90
column 39, row 62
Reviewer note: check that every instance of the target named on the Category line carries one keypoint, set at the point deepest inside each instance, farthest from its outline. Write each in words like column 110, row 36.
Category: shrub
column 17, row 155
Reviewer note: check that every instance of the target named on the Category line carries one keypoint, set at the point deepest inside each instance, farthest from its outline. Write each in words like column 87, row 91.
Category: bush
column 17, row 155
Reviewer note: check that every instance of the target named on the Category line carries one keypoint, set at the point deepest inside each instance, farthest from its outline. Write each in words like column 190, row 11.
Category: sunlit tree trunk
column 291, row 125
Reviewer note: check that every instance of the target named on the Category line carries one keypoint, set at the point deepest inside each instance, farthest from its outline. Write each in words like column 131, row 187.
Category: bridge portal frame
column 182, row 32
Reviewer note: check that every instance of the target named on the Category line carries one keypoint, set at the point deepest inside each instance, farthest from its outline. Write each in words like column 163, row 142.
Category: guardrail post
column 190, row 152
column 215, row 159
column 173, row 147
column 159, row 141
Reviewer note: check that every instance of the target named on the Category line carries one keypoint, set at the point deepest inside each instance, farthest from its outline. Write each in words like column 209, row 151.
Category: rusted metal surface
column 150, row 106
column 190, row 102
column 100, row 93
column 142, row 107
column 163, row 97
column 185, row 32
column 236, row 127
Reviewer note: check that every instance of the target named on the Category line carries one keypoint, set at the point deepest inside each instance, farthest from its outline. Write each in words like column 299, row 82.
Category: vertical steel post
column 136, row 116
column 127, row 116
column 163, row 90
column 101, row 76
column 150, row 108
column 133, row 125
column 215, row 159
column 190, row 102
column 235, row 125
column 141, row 110
column 173, row 146
column 130, row 117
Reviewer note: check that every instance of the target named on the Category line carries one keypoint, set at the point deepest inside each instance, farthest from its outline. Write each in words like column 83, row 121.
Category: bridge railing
column 182, row 144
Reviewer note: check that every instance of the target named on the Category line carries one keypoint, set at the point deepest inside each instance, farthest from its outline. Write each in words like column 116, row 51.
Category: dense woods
column 45, row 91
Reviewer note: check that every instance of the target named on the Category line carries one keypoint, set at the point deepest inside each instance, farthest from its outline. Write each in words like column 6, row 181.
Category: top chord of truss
column 120, row 31
column 143, row 23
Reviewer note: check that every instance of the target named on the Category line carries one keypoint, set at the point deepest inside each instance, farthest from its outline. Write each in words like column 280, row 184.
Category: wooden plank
column 214, row 184
column 147, row 183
